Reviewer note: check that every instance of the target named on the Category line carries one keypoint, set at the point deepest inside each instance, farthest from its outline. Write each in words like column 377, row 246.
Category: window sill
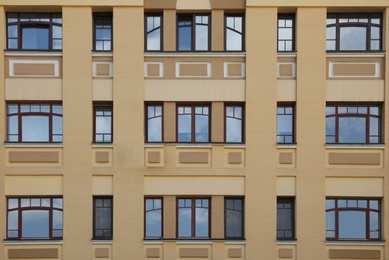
column 104, row 145
column 29, row 145
column 102, row 53
column 287, row 54
column 33, row 242
column 102, row 242
column 286, row 146
column 33, row 53
column 195, row 54
column 351, row 54
column 355, row 243
column 287, row 242
column 193, row 241
column 355, row 146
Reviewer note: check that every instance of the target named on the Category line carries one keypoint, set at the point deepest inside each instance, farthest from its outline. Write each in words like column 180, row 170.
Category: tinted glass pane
column 154, row 223
column 352, row 224
column 13, row 125
column 13, row 203
column 185, row 38
column 57, row 203
column 57, row 32
column 201, row 124
column 353, row 38
column 103, row 218
column 352, row 130
column 234, row 223
column 184, row 222
column 35, row 38
column 201, row 222
column 284, row 125
column 184, row 128
column 57, row 219
column 12, row 31
column 35, row 129
column 374, row 126
column 13, row 220
column 330, row 224
column 35, row 224
column 57, row 125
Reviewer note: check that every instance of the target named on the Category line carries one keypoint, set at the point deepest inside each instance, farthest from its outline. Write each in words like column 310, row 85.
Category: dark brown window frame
column 367, row 117
column 162, row 218
column 367, row 25
column 20, row 116
column 243, row 33
column 293, row 40
column 95, row 107
column 367, row 220
column 33, row 24
column 193, row 217
column 103, row 16
column 153, row 104
column 193, row 125
column 193, row 30
column 95, row 237
column 243, row 121
column 146, row 32
column 20, row 210
column 242, row 237
column 291, row 201
column 293, row 106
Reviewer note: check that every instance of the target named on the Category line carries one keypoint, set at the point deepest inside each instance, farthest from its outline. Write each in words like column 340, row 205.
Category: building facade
column 202, row 129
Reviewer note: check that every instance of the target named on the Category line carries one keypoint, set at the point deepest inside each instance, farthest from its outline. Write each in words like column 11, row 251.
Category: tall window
column 34, row 122
column 153, row 32
column 357, row 124
column 102, row 217
column 193, row 32
column 234, row 218
column 103, row 32
column 353, row 219
column 193, row 123
column 286, row 32
column 285, row 124
column 34, row 218
column 34, row 31
column 154, row 123
column 285, row 219
column 234, row 123
column 354, row 32
column 153, row 218
column 193, row 218
column 103, row 124
column 234, row 34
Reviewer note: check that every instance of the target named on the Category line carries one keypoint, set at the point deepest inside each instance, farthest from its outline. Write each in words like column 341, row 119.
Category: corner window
column 353, row 219
column 354, row 124
column 286, row 32
column 234, row 123
column 154, row 122
column 34, row 31
column 153, row 218
column 103, row 32
column 193, row 32
column 285, row 219
column 153, row 32
column 354, row 32
column 103, row 124
column 34, row 218
column 234, row 218
column 34, row 123
column 193, row 123
column 285, row 124
column 234, row 33
column 102, row 217
column 193, row 218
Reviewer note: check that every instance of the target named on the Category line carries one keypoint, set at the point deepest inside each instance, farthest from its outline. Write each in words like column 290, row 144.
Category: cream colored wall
column 103, row 3
column 33, row 89
column 308, row 3
column 356, row 90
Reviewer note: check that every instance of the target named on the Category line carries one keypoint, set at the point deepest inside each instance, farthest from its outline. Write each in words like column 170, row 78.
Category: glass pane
column 331, row 33
column 13, row 126
column 154, row 131
column 234, row 223
column 103, row 218
column 284, row 219
column 184, row 128
column 35, row 129
column 103, row 124
column 57, row 44
column 57, row 219
column 201, row 124
column 201, row 222
column 352, row 130
column 374, row 204
column 285, row 33
column 35, row 224
column 185, row 38
column 330, row 204
column 352, row 38
column 233, row 41
column 201, row 38
column 13, row 31
column 45, row 202
column 374, row 126
column 57, row 32
column 285, row 125
column 35, row 202
column 57, row 125
column 154, row 223
column 184, row 222
column 57, row 109
column 374, row 224
column 35, row 38
column 330, row 223
column 13, row 203
column 233, row 130
column 352, row 225
column 13, row 218
column 375, row 32
column 154, row 40
column 57, row 203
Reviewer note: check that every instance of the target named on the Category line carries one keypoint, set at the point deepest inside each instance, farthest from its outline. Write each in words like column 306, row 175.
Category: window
column 353, row 219
column 356, row 124
column 153, row 28
column 154, row 123
column 285, row 124
column 234, row 123
column 285, row 219
column 286, row 32
column 103, row 32
column 193, row 32
column 234, row 217
column 34, row 31
column 234, row 34
column 193, row 218
column 193, row 123
column 102, row 220
column 103, row 124
column 34, row 218
column 34, row 122
column 153, row 218
column 354, row 32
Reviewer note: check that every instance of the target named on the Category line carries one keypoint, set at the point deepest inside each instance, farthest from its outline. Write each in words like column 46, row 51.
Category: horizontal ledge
column 356, row 54
column 356, row 146
column 195, row 54
column 33, row 53
column 356, row 243
column 33, row 145
column 33, row 242
column 102, row 242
